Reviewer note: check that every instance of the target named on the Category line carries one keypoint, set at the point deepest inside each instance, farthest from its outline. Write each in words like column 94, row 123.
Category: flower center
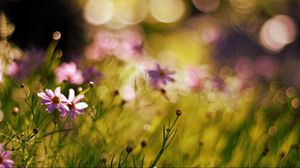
column 1, row 159
column 55, row 100
column 71, row 106
column 138, row 48
column 161, row 73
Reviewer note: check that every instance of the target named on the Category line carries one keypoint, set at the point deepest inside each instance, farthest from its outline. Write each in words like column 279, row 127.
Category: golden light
column 242, row 6
column 206, row 5
column 295, row 103
column 167, row 11
column 277, row 32
column 1, row 115
column 98, row 12
column 131, row 11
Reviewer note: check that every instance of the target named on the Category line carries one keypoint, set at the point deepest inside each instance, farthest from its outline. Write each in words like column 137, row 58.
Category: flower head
column 160, row 76
column 131, row 46
column 105, row 44
column 20, row 69
column 69, row 72
column 92, row 74
column 5, row 162
column 75, row 106
column 194, row 78
column 55, row 100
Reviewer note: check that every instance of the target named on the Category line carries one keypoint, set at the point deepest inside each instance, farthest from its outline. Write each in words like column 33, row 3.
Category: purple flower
column 160, row 76
column 5, row 162
column 76, row 107
column 92, row 74
column 32, row 60
column 54, row 101
column 69, row 72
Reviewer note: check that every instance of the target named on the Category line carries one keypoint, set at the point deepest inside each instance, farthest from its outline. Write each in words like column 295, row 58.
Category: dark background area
column 36, row 20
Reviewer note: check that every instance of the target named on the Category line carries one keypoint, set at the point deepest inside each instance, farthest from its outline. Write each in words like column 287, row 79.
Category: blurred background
column 237, row 74
column 252, row 37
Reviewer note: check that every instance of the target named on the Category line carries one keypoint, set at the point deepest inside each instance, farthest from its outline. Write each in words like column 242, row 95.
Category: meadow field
column 150, row 83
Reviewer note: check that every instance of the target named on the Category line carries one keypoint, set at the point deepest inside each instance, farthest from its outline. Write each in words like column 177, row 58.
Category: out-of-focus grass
column 227, row 126
column 261, row 130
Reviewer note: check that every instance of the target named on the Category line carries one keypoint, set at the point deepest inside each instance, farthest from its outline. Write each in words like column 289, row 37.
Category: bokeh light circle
column 131, row 11
column 277, row 32
column 206, row 5
column 167, row 11
column 98, row 12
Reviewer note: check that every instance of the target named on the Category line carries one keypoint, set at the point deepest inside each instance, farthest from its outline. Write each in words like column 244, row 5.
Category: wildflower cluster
column 56, row 100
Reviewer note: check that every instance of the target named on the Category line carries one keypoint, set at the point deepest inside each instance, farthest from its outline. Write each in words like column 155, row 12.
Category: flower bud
column 129, row 149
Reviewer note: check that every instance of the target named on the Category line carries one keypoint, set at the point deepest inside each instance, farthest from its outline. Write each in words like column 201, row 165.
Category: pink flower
column 5, row 162
column 76, row 107
column 105, row 44
column 54, row 101
column 194, row 78
column 69, row 72
column 160, row 76
column 131, row 46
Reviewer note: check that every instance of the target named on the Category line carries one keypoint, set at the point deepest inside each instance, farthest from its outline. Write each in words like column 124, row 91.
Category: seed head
column 58, row 53
column 266, row 151
column 282, row 154
column 56, row 35
column 116, row 92
column 91, row 84
column 129, row 149
column 163, row 91
column 35, row 130
column 144, row 143
column 178, row 112
column 15, row 110
column 79, row 89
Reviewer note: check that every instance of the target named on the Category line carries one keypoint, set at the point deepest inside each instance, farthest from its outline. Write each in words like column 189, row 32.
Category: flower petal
column 81, row 105
column 51, row 108
column 71, row 95
column 49, row 93
column 8, row 163
column 42, row 95
column 46, row 102
column 6, row 154
column 78, row 98
column 62, row 108
column 57, row 91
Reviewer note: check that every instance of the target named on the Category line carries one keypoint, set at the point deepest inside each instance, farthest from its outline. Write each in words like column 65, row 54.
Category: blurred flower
column 104, row 44
column 194, row 78
column 5, row 162
column 128, row 93
column 76, row 107
column 218, row 83
column 131, row 46
column 54, row 101
column 266, row 67
column 20, row 69
column 92, row 74
column 244, row 68
column 160, row 76
column 69, row 72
